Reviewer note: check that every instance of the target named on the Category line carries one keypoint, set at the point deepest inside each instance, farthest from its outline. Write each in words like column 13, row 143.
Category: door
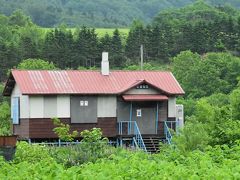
column 144, row 114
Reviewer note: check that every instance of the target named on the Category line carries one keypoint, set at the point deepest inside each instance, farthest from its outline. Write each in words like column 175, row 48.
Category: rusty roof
column 89, row 82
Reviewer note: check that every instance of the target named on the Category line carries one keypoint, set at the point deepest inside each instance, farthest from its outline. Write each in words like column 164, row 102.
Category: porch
column 129, row 134
column 143, row 120
column 149, row 112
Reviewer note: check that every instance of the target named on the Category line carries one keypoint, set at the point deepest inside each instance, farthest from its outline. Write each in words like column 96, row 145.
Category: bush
column 194, row 136
column 219, row 162
column 31, row 153
column 63, row 131
column 91, row 148
column 5, row 119
column 170, row 164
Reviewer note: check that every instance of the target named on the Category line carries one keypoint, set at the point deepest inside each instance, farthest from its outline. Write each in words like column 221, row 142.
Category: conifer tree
column 117, row 50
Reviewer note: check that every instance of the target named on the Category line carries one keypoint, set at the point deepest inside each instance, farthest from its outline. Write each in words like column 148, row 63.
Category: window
column 139, row 113
column 15, row 110
column 142, row 86
column 83, row 103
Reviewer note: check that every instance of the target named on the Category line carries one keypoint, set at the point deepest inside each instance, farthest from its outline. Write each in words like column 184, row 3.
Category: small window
column 81, row 103
column 139, row 113
column 142, row 86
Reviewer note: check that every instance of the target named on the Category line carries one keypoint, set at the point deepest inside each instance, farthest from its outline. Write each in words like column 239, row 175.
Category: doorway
column 144, row 113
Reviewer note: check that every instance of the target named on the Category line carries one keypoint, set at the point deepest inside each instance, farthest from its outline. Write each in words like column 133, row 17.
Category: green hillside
column 97, row 13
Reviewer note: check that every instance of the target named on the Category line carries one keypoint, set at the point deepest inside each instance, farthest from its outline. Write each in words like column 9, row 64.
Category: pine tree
column 105, row 43
column 28, row 48
column 136, row 38
column 58, row 48
column 117, row 50
column 87, row 48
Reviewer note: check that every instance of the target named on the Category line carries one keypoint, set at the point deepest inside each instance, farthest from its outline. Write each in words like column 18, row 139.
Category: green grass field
column 100, row 31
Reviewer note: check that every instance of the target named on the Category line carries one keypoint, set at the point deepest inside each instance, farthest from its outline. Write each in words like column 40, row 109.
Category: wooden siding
column 162, row 116
column 163, row 111
column 160, row 128
column 43, row 128
column 22, row 129
column 108, row 126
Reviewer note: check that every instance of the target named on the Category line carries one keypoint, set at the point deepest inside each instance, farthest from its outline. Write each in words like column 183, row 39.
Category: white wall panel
column 24, row 106
column 36, row 106
column 63, row 106
column 172, row 107
column 106, row 106
column 50, row 106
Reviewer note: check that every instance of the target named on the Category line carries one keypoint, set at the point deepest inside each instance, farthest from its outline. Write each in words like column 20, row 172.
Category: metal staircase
column 129, row 129
column 129, row 132
column 152, row 143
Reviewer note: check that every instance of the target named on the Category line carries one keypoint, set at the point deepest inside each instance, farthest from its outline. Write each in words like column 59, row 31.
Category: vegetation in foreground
column 35, row 162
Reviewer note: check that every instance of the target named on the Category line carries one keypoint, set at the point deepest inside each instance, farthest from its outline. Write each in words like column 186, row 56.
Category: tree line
column 199, row 28
column 98, row 13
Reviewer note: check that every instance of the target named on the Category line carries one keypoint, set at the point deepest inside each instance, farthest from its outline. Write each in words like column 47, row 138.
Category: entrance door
column 145, row 116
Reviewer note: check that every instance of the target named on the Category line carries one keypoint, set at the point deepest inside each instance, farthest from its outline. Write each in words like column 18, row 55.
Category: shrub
column 90, row 149
column 31, row 153
column 193, row 136
column 5, row 119
column 63, row 130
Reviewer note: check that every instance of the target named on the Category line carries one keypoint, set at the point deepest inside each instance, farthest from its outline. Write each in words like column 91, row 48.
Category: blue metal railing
column 170, row 125
column 167, row 133
column 132, row 129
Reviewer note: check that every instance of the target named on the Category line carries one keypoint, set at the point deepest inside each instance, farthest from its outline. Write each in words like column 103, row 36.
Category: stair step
column 152, row 143
column 151, row 149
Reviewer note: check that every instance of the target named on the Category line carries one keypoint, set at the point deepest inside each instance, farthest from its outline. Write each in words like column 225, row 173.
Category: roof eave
column 9, row 85
column 144, row 81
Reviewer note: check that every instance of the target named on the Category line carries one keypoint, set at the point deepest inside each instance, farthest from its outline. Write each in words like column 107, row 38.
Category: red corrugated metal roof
column 91, row 82
column 144, row 97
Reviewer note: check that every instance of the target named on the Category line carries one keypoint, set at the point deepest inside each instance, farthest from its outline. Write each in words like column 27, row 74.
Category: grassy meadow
column 99, row 31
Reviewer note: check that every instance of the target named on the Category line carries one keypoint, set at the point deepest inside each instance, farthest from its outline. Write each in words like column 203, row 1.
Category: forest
column 200, row 28
column 97, row 13
column 199, row 43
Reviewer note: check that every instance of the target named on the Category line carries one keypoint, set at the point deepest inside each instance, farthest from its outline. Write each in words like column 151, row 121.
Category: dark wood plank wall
column 22, row 129
column 162, row 116
column 43, row 128
column 108, row 126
